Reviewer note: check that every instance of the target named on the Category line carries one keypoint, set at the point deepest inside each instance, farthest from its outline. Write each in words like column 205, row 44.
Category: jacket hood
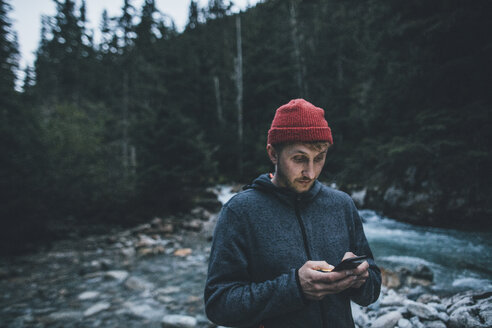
column 264, row 183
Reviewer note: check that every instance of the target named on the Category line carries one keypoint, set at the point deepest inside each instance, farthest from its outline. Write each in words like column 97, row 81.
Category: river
column 460, row 260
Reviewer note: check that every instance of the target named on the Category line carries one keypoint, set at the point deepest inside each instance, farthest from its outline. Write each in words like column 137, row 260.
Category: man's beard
column 282, row 178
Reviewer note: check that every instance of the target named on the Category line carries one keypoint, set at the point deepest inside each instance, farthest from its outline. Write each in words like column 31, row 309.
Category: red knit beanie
column 299, row 121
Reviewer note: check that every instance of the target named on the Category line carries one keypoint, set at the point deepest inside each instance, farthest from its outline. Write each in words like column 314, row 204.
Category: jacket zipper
column 306, row 248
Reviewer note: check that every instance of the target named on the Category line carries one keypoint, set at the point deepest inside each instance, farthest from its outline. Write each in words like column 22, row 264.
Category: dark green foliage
column 131, row 127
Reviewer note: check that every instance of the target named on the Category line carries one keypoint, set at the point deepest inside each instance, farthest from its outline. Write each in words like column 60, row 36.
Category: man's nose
column 308, row 171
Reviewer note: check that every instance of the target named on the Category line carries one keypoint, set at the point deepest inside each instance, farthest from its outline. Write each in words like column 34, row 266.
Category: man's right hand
column 317, row 285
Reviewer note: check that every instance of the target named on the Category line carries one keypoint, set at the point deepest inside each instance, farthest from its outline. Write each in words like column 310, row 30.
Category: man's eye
column 299, row 159
column 318, row 159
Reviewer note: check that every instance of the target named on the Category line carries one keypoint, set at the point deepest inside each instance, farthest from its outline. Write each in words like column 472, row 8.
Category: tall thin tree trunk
column 217, row 100
column 239, row 96
column 298, row 57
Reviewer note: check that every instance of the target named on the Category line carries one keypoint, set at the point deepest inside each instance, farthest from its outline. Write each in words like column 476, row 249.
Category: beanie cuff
column 299, row 134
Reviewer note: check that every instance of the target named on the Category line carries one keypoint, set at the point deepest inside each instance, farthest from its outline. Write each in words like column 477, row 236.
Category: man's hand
column 316, row 285
column 361, row 272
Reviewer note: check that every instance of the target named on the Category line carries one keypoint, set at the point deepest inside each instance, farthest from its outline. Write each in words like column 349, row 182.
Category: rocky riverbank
column 153, row 276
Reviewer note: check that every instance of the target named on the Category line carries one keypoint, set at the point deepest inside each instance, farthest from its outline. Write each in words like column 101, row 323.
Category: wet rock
column 201, row 213
column 193, row 225
column 159, row 249
column 474, row 310
column 438, row 306
column 160, row 226
column 96, row 308
column 88, row 295
column 119, row 275
column 178, row 321
column 404, row 323
column 421, row 310
column 128, row 252
column 141, row 228
column 360, row 318
column 64, row 316
column 462, row 318
column 428, row 298
column 434, row 324
column 420, row 276
column 145, row 241
column 443, row 317
column 388, row 320
column 416, row 322
column 390, row 279
column 168, row 290
column 143, row 311
column 182, row 252
column 166, row 299
column 137, row 284
column 392, row 299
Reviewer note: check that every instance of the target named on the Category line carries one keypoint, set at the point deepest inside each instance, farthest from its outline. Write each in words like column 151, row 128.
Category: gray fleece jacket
column 263, row 236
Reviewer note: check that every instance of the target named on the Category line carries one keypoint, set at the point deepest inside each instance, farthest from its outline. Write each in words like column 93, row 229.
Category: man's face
column 298, row 165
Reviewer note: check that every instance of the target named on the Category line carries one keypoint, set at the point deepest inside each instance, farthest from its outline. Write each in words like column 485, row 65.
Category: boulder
column 470, row 309
column 390, row 278
column 178, row 321
column 88, row 295
column 119, row 275
column 360, row 318
column 465, row 317
column 404, row 323
column 137, row 284
column 388, row 320
column 434, row 324
column 421, row 310
column 96, row 308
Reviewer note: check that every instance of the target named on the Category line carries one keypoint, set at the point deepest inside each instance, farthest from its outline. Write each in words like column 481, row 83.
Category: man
column 272, row 240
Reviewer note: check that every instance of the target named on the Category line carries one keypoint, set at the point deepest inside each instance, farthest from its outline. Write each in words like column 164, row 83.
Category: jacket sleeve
column 370, row 290
column 232, row 298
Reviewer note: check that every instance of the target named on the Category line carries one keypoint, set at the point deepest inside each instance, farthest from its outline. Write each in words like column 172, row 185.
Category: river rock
column 201, row 213
column 119, row 275
column 416, row 322
column 88, row 295
column 443, row 317
column 428, row 298
column 128, row 251
column 193, row 225
column 470, row 309
column 421, row 310
column 137, row 284
column 182, row 252
column 404, row 323
column 392, row 299
column 360, row 318
column 390, row 279
column 422, row 275
column 168, row 290
column 96, row 308
column 143, row 311
column 64, row 316
column 388, row 320
column 178, row 321
column 467, row 317
column 434, row 324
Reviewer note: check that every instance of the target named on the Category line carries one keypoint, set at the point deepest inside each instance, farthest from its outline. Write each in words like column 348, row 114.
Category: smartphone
column 350, row 263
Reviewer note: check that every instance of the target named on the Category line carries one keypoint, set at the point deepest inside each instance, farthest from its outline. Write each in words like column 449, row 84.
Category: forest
column 139, row 123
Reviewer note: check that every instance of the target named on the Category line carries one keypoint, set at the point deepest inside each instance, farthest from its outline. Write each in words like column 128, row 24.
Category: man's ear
column 272, row 153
